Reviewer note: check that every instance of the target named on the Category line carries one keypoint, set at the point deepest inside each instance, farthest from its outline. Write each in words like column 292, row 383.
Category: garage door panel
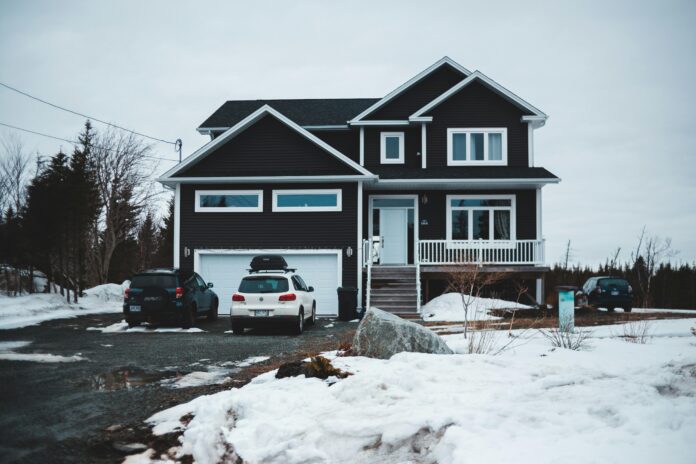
column 319, row 270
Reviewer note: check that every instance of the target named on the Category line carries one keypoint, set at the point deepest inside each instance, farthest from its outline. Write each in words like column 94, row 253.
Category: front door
column 394, row 234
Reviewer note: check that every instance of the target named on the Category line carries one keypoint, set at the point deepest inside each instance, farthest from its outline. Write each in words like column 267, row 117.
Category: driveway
column 58, row 412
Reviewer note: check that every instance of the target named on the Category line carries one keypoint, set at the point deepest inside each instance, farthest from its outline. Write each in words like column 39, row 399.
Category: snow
column 655, row 310
column 449, row 307
column 612, row 402
column 23, row 311
column 7, row 354
column 122, row 327
column 214, row 375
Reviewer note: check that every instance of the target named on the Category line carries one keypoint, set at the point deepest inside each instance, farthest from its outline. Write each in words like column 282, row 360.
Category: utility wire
column 75, row 142
column 86, row 116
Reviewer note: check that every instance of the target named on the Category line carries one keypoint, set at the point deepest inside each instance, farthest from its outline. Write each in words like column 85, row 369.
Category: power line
column 74, row 142
column 86, row 116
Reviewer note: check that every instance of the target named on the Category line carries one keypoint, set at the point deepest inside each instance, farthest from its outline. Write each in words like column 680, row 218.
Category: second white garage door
column 320, row 269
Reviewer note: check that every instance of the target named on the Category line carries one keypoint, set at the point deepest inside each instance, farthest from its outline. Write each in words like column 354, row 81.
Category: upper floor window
column 307, row 200
column 466, row 147
column 229, row 201
column 392, row 147
column 480, row 217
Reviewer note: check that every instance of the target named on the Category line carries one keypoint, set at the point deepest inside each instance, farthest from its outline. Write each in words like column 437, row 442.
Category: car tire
column 299, row 323
column 132, row 324
column 312, row 320
column 610, row 309
column 237, row 328
column 188, row 319
column 213, row 312
column 628, row 310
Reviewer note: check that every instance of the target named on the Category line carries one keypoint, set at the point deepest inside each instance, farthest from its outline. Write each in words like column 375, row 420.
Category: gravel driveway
column 58, row 412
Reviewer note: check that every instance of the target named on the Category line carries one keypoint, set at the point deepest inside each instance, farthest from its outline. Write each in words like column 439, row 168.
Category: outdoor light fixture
column 424, row 199
column 349, row 251
column 187, row 252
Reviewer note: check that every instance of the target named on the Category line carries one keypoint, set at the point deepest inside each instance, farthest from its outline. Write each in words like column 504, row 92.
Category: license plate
column 261, row 313
column 135, row 308
column 615, row 293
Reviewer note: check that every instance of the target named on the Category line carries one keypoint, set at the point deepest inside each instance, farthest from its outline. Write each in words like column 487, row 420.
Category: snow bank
column 7, row 354
column 449, row 307
column 633, row 403
column 23, row 311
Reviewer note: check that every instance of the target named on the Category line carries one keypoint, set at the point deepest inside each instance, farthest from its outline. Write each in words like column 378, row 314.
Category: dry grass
column 571, row 340
column 637, row 332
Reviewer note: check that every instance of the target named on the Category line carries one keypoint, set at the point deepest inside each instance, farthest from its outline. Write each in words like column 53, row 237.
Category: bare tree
column 469, row 280
column 124, row 181
column 14, row 172
column 567, row 255
column 650, row 252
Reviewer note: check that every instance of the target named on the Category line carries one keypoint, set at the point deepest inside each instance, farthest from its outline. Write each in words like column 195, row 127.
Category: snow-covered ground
column 23, row 311
column 7, row 353
column 449, row 307
column 655, row 310
column 122, row 327
column 612, row 402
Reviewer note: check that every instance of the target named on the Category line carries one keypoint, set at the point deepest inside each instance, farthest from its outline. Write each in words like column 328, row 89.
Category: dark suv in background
column 168, row 295
column 606, row 292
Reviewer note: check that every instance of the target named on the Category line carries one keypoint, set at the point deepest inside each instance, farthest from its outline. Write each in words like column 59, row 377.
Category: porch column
column 424, row 154
column 359, row 244
column 540, row 290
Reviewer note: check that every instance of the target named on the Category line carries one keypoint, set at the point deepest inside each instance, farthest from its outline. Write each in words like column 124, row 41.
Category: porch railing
column 480, row 251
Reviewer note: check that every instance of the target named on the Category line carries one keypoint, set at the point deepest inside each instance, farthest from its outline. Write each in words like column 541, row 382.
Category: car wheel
column 628, row 310
column 132, row 324
column 299, row 323
column 213, row 313
column 313, row 319
column 237, row 328
column 610, row 309
column 188, row 319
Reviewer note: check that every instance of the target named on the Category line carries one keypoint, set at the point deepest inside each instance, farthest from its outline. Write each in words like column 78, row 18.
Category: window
column 479, row 217
column 392, row 147
column 299, row 284
column 476, row 146
column 307, row 200
column 229, row 201
column 263, row 285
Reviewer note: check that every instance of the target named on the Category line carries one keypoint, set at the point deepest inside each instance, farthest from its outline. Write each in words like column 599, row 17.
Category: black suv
column 606, row 292
column 167, row 294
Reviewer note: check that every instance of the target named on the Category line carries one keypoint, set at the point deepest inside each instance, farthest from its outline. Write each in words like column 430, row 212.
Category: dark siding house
column 372, row 193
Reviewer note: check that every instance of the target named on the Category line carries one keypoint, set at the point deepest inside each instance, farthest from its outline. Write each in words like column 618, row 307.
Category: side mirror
column 210, row 285
column 311, row 289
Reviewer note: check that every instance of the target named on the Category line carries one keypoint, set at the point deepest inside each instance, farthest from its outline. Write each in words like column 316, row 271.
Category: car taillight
column 125, row 293
column 237, row 297
column 287, row 297
column 179, row 292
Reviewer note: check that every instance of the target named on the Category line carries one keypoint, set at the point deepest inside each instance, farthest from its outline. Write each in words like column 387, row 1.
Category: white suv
column 266, row 297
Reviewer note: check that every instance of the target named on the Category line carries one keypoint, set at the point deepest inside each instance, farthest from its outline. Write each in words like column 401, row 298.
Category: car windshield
column 153, row 280
column 619, row 283
column 263, row 285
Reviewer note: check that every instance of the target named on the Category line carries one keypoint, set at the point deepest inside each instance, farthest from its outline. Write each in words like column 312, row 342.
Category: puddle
column 126, row 378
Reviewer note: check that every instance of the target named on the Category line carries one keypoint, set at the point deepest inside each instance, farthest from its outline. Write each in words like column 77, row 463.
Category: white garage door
column 320, row 270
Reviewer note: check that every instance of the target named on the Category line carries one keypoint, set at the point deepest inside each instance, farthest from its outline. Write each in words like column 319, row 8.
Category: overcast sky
column 615, row 77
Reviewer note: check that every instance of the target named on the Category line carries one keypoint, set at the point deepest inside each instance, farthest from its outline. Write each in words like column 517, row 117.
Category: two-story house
column 386, row 195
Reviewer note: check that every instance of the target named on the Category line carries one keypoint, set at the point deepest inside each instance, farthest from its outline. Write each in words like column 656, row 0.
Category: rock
column 128, row 448
column 381, row 335
column 114, row 428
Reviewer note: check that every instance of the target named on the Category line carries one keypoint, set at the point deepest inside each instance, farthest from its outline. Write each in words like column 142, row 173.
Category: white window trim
column 383, row 147
column 513, row 216
column 298, row 209
column 468, row 161
column 229, row 209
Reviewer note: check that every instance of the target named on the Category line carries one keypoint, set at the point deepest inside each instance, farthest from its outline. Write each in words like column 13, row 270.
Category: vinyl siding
column 267, row 229
column 268, row 148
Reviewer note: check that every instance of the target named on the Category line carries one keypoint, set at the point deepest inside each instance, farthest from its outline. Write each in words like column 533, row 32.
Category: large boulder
column 381, row 335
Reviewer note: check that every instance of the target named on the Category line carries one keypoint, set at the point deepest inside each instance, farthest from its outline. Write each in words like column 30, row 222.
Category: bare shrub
column 570, row 340
column 482, row 341
column 637, row 332
column 469, row 280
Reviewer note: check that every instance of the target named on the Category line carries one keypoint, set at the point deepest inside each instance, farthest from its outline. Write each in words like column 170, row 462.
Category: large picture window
column 481, row 217
column 476, row 146
column 307, row 200
column 229, row 201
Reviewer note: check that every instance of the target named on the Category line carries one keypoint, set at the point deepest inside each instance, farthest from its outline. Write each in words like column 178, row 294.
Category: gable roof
column 243, row 125
column 399, row 90
column 305, row 112
column 537, row 114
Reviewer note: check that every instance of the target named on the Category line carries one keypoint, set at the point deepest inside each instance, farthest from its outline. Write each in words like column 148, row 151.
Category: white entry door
column 393, row 224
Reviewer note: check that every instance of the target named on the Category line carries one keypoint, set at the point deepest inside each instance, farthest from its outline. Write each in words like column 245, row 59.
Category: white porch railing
column 480, row 251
